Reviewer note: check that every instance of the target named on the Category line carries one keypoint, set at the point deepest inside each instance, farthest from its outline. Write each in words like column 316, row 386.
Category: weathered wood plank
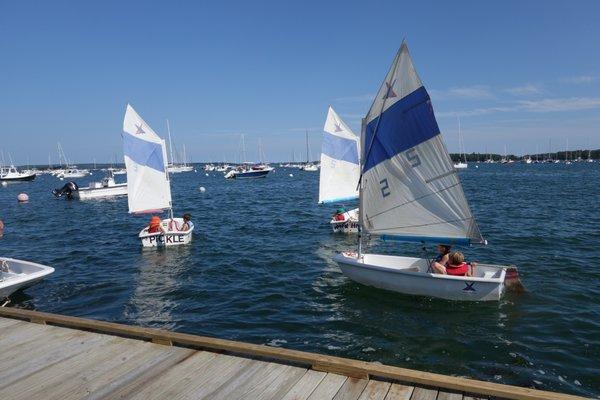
column 44, row 355
column 444, row 395
column 305, row 386
column 421, row 393
column 399, row 392
column 375, row 390
column 351, row 389
column 353, row 368
column 7, row 322
column 247, row 373
column 282, row 384
column 118, row 387
column 474, row 397
column 47, row 382
column 328, row 387
column 176, row 378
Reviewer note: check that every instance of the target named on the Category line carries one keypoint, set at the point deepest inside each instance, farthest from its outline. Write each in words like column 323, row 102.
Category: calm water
column 260, row 270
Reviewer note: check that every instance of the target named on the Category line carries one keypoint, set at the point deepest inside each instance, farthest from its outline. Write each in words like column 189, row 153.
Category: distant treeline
column 560, row 155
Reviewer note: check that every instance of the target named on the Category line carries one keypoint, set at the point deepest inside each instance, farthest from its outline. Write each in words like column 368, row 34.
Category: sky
column 519, row 74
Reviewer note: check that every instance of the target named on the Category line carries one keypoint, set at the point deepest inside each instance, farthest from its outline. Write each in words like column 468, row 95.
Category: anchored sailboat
column 462, row 161
column 409, row 190
column 148, row 186
column 339, row 171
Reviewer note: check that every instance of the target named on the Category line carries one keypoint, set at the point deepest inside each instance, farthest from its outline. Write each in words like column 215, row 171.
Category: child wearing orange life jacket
column 154, row 225
column 457, row 266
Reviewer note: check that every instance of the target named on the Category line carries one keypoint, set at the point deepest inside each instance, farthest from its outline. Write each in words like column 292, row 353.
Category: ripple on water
column 260, row 270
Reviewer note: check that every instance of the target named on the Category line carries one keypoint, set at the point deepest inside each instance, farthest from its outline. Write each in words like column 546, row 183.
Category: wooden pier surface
column 60, row 357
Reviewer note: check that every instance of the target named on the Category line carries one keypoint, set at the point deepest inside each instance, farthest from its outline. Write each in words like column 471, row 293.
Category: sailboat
column 148, row 186
column 340, row 170
column 172, row 167
column 410, row 191
column 308, row 166
column 461, row 164
column 248, row 170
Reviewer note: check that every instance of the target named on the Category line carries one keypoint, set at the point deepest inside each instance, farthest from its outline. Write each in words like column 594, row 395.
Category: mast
column 184, row 156
column 170, row 142
column 307, row 153
column 243, row 149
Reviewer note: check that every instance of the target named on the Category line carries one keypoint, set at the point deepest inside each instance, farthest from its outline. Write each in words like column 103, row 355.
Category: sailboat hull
column 171, row 236
column 410, row 276
column 349, row 225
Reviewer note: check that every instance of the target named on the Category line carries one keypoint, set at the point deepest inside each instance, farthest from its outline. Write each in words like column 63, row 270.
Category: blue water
column 259, row 270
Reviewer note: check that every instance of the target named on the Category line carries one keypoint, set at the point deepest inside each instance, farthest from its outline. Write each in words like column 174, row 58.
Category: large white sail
column 409, row 187
column 148, row 187
column 339, row 161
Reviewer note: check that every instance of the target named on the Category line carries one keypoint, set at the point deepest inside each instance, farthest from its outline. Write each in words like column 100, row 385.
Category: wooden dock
column 48, row 356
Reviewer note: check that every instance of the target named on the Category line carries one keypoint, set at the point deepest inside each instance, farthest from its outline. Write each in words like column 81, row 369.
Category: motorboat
column 107, row 187
column 12, row 174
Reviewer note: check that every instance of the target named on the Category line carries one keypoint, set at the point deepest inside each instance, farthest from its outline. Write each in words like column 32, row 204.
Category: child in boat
column 186, row 222
column 458, row 267
column 155, row 225
column 439, row 263
column 339, row 214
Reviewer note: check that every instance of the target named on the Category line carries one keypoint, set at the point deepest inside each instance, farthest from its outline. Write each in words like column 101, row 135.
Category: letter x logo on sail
column 390, row 90
column 139, row 130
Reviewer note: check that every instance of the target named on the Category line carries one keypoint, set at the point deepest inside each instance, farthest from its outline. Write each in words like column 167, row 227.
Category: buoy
column 62, row 179
column 206, row 174
column 4, row 184
column 22, row 198
column 477, row 166
column 202, row 189
column 291, row 175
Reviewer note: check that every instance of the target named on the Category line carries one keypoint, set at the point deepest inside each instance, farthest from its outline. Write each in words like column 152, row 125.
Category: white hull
column 171, row 236
column 410, row 276
column 175, row 169
column 461, row 165
column 19, row 274
column 349, row 225
column 98, row 193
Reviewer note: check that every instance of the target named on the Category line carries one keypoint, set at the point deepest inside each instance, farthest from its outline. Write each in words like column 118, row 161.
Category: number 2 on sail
column 385, row 188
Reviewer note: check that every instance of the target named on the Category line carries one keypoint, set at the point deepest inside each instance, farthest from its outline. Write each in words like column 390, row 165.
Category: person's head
column 155, row 221
column 456, row 258
column 187, row 217
column 443, row 249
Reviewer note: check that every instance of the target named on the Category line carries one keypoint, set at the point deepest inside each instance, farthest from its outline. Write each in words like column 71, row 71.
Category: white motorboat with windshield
column 107, row 187
column 12, row 174
column 338, row 179
column 409, row 190
column 148, row 186
column 19, row 274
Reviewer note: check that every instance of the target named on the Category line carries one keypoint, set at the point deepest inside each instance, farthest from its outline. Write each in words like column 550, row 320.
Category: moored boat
column 107, row 187
column 12, row 174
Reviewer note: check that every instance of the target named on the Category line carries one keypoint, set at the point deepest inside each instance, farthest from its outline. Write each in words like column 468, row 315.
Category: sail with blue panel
column 409, row 189
column 340, row 167
column 148, row 187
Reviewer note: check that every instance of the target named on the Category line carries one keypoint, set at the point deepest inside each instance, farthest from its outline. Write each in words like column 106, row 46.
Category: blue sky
column 520, row 73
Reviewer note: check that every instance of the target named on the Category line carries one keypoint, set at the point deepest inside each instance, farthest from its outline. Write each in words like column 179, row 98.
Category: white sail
column 409, row 187
column 148, row 187
column 339, row 161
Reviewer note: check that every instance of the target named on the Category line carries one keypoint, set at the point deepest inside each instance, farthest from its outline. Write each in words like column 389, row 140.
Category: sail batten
column 409, row 187
column 148, row 188
column 339, row 161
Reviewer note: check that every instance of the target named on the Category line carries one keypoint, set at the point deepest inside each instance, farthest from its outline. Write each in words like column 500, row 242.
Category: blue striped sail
column 148, row 188
column 338, row 180
column 409, row 188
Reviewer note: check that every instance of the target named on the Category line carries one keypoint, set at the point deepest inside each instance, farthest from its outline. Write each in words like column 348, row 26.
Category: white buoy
column 206, row 174
column 202, row 189
column 62, row 179
column 291, row 175
column 477, row 166
column 22, row 198
column 4, row 184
